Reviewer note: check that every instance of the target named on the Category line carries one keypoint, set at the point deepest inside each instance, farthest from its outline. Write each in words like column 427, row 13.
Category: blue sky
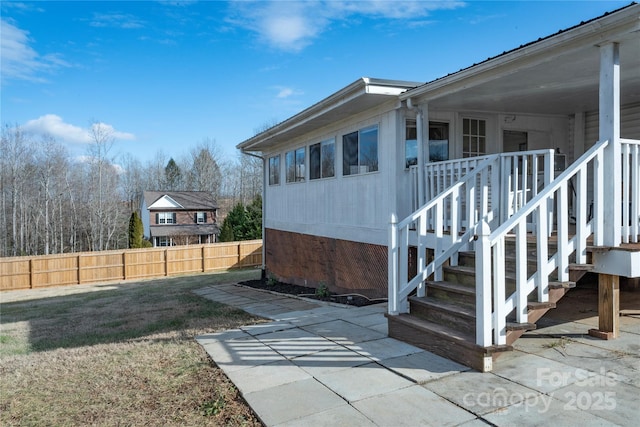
column 165, row 75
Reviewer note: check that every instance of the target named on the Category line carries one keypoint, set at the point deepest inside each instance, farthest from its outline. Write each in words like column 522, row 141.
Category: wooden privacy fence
column 129, row 264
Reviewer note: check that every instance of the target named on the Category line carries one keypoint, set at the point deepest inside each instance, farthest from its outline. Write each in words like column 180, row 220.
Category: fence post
column 79, row 269
column 203, row 259
column 483, row 285
column 30, row 273
column 166, row 262
column 124, row 265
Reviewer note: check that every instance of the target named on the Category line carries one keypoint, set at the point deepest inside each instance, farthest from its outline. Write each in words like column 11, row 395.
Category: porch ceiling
column 563, row 85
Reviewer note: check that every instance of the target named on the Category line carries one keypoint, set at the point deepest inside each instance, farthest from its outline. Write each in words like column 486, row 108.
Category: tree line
column 53, row 203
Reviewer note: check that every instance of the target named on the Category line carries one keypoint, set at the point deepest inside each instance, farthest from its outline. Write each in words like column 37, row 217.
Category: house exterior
column 385, row 185
column 174, row 218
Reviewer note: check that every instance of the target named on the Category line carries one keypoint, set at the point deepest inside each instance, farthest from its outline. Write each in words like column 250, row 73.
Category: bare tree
column 15, row 152
column 104, row 203
column 204, row 173
column 51, row 162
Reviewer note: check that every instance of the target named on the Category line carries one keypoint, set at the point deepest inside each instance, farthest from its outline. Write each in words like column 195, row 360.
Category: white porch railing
column 630, row 190
column 491, row 189
column 492, row 304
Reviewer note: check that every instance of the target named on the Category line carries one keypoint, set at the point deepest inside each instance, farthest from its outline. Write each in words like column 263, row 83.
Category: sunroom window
column 294, row 162
column 322, row 159
column 360, row 151
column 274, row 170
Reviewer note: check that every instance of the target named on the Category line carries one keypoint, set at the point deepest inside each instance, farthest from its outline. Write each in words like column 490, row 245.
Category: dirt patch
column 321, row 294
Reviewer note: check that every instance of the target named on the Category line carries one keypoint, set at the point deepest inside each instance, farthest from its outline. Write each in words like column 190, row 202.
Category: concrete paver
column 412, row 406
column 318, row 364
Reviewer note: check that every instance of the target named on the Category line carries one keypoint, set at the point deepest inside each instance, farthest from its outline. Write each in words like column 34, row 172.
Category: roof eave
column 361, row 87
column 596, row 32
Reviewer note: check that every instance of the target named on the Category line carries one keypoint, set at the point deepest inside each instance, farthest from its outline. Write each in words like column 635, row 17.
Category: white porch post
column 610, row 130
column 420, row 120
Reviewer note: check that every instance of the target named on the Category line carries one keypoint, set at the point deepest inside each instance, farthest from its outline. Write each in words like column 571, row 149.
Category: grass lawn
column 118, row 354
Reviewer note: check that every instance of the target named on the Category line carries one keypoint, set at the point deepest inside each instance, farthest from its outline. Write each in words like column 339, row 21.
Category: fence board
column 130, row 264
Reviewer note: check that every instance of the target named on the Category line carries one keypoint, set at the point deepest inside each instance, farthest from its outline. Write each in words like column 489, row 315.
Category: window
column 274, row 170
column 201, row 217
column 411, row 143
column 360, row 151
column 438, row 142
column 322, row 159
column 163, row 241
column 165, row 218
column 474, row 137
column 294, row 162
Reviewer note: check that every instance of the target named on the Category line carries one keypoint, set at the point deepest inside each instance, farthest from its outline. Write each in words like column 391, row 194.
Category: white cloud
column 291, row 26
column 51, row 124
column 19, row 60
column 286, row 92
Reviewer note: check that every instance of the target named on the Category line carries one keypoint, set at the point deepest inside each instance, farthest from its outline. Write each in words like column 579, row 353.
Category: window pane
column 438, row 141
column 465, row 126
column 328, row 159
column 410, row 143
column 314, row 161
column 482, row 131
column 300, row 164
column 411, row 152
column 369, row 150
column 290, row 165
column 274, row 170
column 350, row 153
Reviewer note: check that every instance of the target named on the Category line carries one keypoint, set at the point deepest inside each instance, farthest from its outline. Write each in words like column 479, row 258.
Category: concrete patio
column 318, row 364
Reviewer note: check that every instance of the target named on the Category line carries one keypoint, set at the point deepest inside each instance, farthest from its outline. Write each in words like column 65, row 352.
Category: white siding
column 355, row 207
column 629, row 124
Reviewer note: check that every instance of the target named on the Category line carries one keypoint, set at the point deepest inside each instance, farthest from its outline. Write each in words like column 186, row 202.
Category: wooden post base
column 600, row 334
column 608, row 307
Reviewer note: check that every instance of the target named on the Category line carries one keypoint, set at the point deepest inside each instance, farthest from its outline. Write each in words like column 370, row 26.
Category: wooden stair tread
column 460, row 338
column 514, row 326
column 562, row 285
column 541, row 305
column 451, row 286
column 581, row 267
column 460, row 268
column 444, row 306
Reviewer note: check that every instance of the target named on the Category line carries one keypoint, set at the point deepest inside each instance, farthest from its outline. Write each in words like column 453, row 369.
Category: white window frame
column 323, row 159
column 474, row 136
column 166, row 218
column 164, row 241
column 201, row 217
column 294, row 165
column 274, row 170
column 361, row 167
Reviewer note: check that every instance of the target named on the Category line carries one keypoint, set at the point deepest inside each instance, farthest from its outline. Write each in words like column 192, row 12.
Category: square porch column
column 610, row 196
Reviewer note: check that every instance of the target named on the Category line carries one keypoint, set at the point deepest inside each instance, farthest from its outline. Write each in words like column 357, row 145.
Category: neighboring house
column 179, row 217
column 354, row 187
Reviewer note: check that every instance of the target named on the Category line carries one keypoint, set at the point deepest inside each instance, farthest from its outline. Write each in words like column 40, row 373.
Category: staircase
column 444, row 320
column 480, row 263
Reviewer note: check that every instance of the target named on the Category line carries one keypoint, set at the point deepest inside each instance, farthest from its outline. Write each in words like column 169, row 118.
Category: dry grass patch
column 122, row 356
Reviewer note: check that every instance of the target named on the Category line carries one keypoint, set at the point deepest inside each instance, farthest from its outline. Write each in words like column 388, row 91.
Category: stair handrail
column 399, row 284
column 499, row 174
column 491, row 285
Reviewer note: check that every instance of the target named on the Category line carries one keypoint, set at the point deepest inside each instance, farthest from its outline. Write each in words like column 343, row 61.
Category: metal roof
column 562, row 67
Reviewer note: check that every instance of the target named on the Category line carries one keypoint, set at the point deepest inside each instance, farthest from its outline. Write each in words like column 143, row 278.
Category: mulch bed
column 312, row 293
